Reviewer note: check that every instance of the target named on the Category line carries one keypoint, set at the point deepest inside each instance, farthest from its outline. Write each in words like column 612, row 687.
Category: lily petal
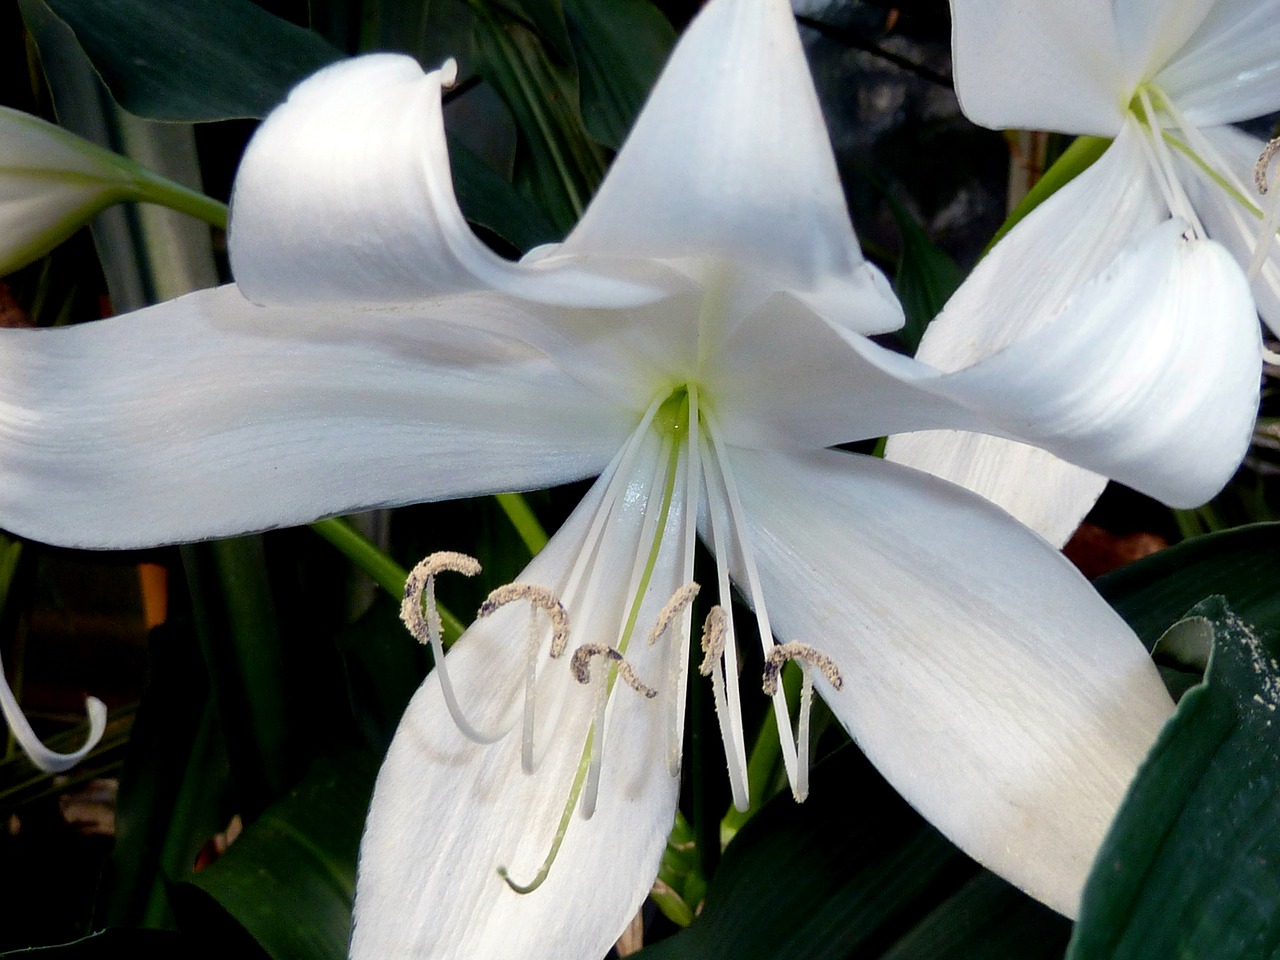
column 1013, row 60
column 741, row 172
column 1228, row 71
column 345, row 196
column 1227, row 218
column 447, row 813
column 208, row 416
column 1150, row 375
column 1079, row 230
column 1152, row 31
column 51, row 183
column 1006, row 701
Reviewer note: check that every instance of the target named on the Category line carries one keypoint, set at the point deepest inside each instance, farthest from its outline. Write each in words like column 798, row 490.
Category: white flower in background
column 700, row 341
column 51, row 184
column 1165, row 80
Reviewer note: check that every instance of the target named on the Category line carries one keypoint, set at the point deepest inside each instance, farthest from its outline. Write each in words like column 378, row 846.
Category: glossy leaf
column 1191, row 867
column 855, row 872
column 290, row 877
column 926, row 276
column 620, row 47
column 194, row 60
column 557, row 162
column 1243, row 565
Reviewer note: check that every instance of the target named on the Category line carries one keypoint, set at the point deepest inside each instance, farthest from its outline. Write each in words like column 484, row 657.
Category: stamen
column 580, row 666
column 803, row 653
column 808, row 657
column 715, row 634
column 675, row 607
column 541, row 599
column 1175, row 196
column 419, row 613
column 1267, row 231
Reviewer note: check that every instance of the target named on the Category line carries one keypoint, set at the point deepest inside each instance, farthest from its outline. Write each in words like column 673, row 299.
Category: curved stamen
column 543, row 599
column 419, row 613
column 715, row 636
column 1267, row 231
column 675, row 607
column 808, row 657
column 44, row 759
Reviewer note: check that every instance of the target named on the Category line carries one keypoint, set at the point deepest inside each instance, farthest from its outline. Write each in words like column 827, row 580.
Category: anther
column 540, row 597
column 1263, row 166
column 580, row 666
column 1271, row 214
column 804, row 653
column 714, row 632
column 675, row 606
column 422, row 618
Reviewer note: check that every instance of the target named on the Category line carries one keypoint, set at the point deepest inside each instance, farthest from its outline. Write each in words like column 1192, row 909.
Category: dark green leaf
column 290, row 877
column 926, row 276
column 853, row 872
column 193, row 60
column 1242, row 565
column 557, row 162
column 620, row 47
column 1191, row 867
column 492, row 203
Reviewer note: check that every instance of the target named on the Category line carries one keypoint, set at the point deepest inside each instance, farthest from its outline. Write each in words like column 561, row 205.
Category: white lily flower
column 1165, row 80
column 699, row 341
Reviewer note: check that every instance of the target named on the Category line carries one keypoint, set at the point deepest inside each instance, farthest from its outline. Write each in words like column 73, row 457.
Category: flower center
column 673, row 460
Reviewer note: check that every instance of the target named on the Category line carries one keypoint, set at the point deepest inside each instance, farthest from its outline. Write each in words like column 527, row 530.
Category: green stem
column 522, row 518
column 154, row 188
column 388, row 574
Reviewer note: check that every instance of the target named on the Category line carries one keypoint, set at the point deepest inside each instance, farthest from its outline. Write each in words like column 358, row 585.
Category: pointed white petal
column 42, row 757
column 1149, row 376
column 1011, row 293
column 1227, row 218
column 207, row 416
column 446, row 813
column 1040, row 66
column 51, row 183
column 982, row 674
column 1228, row 71
column 344, row 195
column 730, row 159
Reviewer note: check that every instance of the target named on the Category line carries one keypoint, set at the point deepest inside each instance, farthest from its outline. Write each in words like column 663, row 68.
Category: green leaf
column 194, row 60
column 290, row 877
column 1191, row 867
column 1243, row 565
column 557, row 163
column 926, row 276
column 1074, row 161
column 854, row 872
column 620, row 47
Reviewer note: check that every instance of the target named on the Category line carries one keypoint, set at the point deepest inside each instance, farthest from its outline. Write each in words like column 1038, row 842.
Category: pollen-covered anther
column 675, row 606
column 804, row 653
column 1262, row 168
column 421, row 618
column 580, row 666
column 540, row 597
column 715, row 631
